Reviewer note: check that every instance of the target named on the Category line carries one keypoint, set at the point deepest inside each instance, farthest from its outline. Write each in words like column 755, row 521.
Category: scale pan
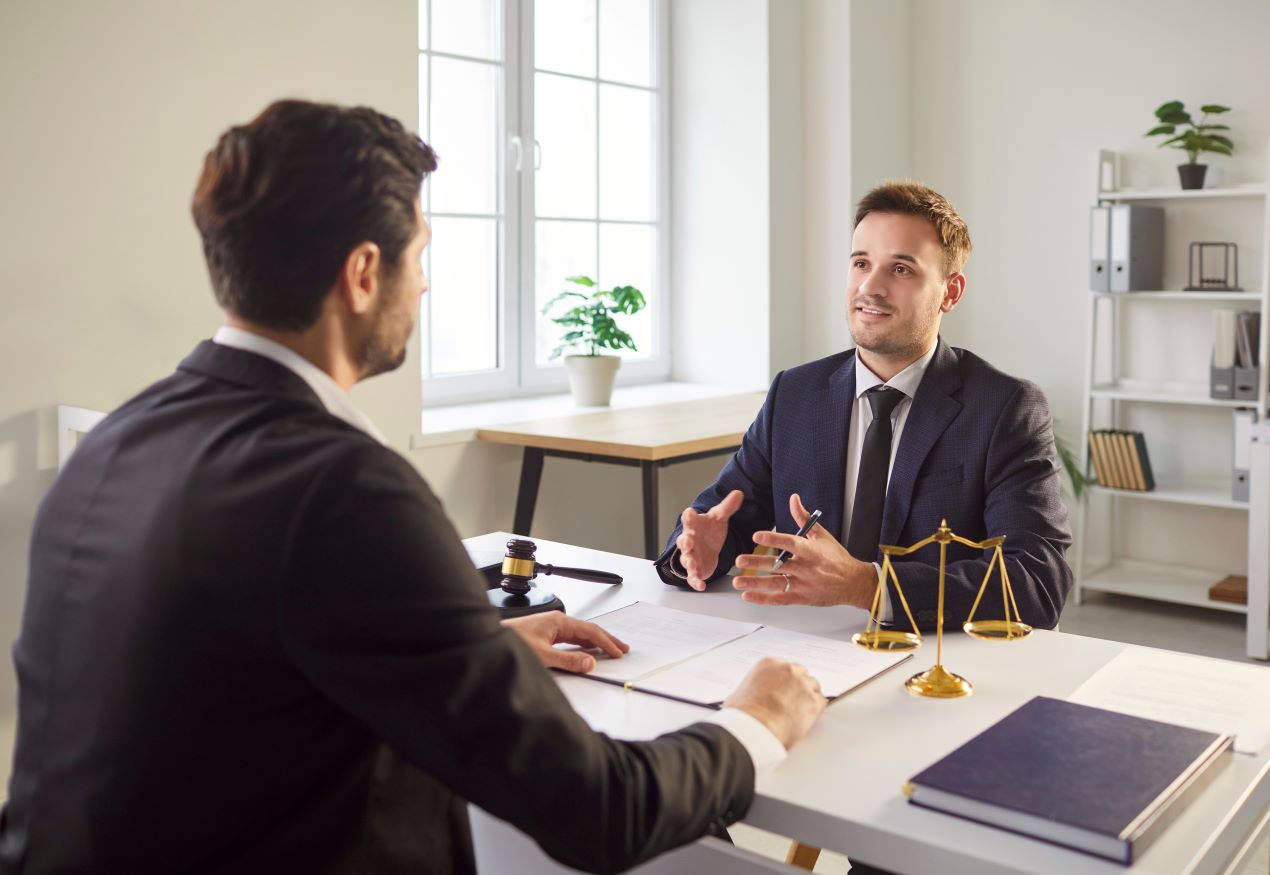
column 888, row 639
column 997, row 630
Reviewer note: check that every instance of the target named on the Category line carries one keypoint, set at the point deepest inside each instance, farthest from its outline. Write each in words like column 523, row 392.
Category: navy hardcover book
column 1085, row 778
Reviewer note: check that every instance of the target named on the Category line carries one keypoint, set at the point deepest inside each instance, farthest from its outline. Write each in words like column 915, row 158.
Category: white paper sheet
column 1210, row 694
column 710, row 678
column 660, row 637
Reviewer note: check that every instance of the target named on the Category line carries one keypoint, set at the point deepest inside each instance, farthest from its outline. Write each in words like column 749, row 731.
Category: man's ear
column 358, row 283
column 955, row 288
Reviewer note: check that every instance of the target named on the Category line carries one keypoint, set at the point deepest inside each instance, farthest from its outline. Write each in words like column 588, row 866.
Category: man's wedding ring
column 788, row 582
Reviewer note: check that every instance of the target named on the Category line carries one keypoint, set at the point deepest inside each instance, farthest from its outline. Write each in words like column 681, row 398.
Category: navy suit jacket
column 977, row 449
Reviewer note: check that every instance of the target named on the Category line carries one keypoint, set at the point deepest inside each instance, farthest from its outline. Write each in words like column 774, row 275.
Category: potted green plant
column 1193, row 139
column 588, row 317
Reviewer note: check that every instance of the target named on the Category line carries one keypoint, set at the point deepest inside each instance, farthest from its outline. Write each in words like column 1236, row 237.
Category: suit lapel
column 934, row 408
column 829, row 450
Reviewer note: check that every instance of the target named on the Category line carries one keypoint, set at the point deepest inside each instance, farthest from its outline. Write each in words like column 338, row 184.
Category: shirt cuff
column 764, row 748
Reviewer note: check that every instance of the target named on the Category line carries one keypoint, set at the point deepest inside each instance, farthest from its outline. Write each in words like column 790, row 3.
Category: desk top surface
column 661, row 431
column 840, row 788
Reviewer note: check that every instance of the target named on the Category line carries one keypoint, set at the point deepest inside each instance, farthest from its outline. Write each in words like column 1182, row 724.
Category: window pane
column 464, row 293
column 467, row 27
column 627, row 258
column 564, row 36
column 464, row 131
column 423, row 24
column 626, row 153
column 565, row 128
column 625, row 38
column 563, row 249
column 423, row 122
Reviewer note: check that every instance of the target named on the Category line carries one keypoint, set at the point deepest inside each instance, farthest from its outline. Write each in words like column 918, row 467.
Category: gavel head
column 519, row 566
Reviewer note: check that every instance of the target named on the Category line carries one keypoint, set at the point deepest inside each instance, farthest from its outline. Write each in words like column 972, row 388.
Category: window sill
column 457, row 424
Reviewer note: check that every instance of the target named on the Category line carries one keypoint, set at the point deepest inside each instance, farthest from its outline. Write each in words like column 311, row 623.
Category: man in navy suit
column 887, row 440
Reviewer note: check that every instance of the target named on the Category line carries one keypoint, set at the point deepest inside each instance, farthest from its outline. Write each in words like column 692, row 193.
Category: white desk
column 840, row 787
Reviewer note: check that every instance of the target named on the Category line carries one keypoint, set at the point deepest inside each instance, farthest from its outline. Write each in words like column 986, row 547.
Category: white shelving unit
column 1116, row 398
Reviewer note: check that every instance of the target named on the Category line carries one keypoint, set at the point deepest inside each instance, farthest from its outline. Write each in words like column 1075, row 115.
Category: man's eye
column 899, row 268
column 858, row 263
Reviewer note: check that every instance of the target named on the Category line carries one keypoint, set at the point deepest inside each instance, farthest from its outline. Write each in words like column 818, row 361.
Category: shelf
column 1166, row 394
column 1209, row 494
column 1251, row 298
column 1159, row 194
column 1162, row 583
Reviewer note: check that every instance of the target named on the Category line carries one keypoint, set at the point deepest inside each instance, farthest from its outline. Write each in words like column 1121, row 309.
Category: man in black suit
column 239, row 598
column 887, row 440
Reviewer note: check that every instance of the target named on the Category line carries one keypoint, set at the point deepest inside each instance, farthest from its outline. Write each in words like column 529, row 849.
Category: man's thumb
column 730, row 504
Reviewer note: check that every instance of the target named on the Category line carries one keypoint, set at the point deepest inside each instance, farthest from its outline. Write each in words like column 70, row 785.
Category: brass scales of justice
column 937, row 682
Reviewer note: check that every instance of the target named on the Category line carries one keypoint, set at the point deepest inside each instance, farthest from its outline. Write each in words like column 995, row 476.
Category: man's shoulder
column 981, row 377
column 817, row 372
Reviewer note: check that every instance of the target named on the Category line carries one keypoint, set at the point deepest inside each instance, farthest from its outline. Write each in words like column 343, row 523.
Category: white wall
column 856, row 83
column 1011, row 102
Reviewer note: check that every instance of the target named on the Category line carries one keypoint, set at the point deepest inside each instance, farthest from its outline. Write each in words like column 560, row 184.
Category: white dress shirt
column 905, row 381
column 764, row 748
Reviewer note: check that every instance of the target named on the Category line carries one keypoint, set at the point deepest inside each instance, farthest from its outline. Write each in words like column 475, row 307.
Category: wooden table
column 646, row 437
column 840, row 788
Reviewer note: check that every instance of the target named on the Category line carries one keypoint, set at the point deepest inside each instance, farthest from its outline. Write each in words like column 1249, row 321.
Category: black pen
column 802, row 533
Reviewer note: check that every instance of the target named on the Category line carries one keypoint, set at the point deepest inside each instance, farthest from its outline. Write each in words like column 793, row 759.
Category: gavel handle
column 581, row 574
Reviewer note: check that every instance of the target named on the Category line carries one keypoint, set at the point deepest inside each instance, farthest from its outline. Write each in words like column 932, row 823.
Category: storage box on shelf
column 1147, row 370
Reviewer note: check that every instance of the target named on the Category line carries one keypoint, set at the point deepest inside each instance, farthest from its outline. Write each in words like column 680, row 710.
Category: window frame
column 517, row 372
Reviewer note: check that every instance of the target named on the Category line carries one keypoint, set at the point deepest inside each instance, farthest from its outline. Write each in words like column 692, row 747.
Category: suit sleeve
column 749, row 470
column 384, row 613
column 1023, row 501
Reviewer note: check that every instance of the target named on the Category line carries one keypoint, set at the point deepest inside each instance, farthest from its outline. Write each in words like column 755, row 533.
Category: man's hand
column 541, row 631
column 819, row 570
column 782, row 696
column 702, row 536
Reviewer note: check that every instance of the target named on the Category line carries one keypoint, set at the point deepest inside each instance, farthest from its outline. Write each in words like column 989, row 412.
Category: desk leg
column 802, row 856
column 651, row 543
column 527, row 495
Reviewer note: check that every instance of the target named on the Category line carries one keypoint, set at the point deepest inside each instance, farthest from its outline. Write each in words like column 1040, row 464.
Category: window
column 549, row 120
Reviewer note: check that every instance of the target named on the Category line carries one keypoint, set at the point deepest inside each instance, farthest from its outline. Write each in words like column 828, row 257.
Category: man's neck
column 886, row 367
column 317, row 345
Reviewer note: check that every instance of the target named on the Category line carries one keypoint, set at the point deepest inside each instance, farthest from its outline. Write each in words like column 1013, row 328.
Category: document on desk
column 660, row 637
column 701, row 659
column 839, row 666
column 1196, row 691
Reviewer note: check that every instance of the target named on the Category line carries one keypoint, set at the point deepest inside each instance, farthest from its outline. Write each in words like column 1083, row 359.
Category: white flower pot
column 591, row 378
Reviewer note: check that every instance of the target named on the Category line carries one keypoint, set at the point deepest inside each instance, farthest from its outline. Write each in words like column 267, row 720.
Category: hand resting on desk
column 543, row 631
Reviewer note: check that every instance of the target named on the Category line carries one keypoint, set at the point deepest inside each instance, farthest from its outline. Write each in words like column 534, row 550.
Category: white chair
column 72, row 424
column 501, row 848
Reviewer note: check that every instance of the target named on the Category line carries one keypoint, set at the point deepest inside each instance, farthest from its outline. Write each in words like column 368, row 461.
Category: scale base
column 536, row 601
column 938, row 683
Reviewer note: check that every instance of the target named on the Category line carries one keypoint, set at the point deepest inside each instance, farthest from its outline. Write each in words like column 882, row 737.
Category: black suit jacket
column 977, row 449
column 234, row 598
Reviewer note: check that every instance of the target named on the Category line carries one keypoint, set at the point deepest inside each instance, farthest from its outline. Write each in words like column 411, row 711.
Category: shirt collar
column 333, row 398
column 906, row 380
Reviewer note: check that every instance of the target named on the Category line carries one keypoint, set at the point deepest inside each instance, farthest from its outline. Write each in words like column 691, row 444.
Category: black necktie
column 870, row 485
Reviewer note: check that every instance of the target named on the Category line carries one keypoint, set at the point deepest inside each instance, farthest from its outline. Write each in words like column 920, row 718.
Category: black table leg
column 651, row 543
column 527, row 495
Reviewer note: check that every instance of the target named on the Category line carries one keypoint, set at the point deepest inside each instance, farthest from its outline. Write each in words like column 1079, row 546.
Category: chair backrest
column 72, row 424
column 502, row 848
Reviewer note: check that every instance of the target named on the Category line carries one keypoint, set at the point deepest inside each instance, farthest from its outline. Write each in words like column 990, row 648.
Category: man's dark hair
column 284, row 199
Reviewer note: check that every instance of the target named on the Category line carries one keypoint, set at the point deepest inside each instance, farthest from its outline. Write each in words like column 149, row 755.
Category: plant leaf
column 1218, row 138
column 1214, row 108
column 1162, row 129
column 581, row 280
column 1179, row 117
column 1214, row 127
